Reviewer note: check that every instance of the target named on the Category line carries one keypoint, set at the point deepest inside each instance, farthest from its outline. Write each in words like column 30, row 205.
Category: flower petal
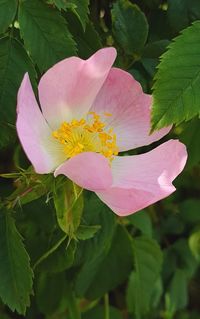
column 68, row 89
column 141, row 180
column 88, row 170
column 34, row 132
column 122, row 96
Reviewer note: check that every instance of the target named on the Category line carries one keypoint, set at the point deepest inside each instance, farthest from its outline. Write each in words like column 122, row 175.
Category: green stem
column 49, row 252
column 106, row 305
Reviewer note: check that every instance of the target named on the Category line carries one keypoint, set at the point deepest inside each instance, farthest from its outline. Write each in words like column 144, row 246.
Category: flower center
column 80, row 136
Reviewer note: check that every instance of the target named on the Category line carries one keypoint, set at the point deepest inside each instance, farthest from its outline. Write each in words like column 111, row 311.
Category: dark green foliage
column 14, row 62
column 147, row 261
column 8, row 10
column 15, row 272
column 182, row 12
column 130, row 26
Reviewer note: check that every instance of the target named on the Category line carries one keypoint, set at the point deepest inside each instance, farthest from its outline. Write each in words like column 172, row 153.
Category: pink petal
column 34, row 132
column 88, row 170
column 122, row 96
column 68, row 89
column 141, row 180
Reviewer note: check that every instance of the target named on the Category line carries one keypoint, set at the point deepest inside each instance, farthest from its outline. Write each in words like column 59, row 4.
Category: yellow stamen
column 80, row 136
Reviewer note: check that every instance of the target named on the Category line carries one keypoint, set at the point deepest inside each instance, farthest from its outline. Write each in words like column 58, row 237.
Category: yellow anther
column 80, row 136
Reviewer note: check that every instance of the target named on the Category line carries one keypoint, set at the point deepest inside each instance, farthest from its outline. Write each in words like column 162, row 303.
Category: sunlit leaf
column 176, row 89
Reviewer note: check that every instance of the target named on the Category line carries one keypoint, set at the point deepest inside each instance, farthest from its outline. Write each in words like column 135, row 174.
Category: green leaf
column 15, row 272
column 30, row 187
column 61, row 4
column 194, row 244
column 176, row 90
column 148, row 261
column 58, row 258
column 45, row 33
column 189, row 211
column 130, row 26
column 179, row 255
column 68, row 202
column 182, row 12
column 86, row 232
column 188, row 137
column 99, row 313
column 151, row 54
column 88, row 40
column 178, row 296
column 115, row 268
column 142, row 221
column 8, row 10
column 80, row 8
column 14, row 63
column 50, row 290
column 91, row 253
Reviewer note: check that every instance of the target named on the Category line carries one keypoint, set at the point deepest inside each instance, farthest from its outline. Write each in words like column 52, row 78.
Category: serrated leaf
column 68, row 201
column 130, row 26
column 14, row 63
column 8, row 10
column 45, row 33
column 15, row 272
column 176, row 90
column 148, row 261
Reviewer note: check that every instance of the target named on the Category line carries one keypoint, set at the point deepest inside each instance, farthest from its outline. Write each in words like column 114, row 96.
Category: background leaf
column 114, row 268
column 14, row 63
column 130, row 26
column 88, row 40
column 80, row 8
column 15, row 272
column 178, row 290
column 8, row 10
column 91, row 253
column 182, row 12
column 148, row 261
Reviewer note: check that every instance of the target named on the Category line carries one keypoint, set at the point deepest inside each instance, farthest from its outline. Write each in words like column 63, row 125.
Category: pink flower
column 89, row 113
